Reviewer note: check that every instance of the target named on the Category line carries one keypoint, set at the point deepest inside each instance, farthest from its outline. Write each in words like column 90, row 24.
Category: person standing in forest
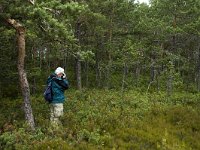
column 59, row 84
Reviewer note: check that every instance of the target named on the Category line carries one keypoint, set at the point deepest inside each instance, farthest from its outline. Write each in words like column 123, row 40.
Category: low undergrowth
column 106, row 119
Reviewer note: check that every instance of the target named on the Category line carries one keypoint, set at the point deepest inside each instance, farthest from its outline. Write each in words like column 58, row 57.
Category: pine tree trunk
column 48, row 59
column 78, row 60
column 97, row 69
column 123, row 78
column 152, row 70
column 169, row 85
column 108, row 68
column 97, row 73
column 78, row 73
column 87, row 74
column 137, row 74
column 198, row 73
column 20, row 30
column 34, row 87
column 108, row 73
column 170, row 80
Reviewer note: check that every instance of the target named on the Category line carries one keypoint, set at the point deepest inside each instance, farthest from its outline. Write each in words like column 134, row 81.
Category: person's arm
column 63, row 83
column 51, row 77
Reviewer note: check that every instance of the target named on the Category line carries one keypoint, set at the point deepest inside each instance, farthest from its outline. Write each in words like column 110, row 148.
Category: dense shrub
column 106, row 119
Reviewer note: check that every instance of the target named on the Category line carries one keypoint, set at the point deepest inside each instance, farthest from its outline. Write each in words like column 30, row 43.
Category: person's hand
column 64, row 76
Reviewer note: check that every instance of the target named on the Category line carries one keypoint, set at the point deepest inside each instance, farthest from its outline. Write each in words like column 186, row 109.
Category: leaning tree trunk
column 20, row 31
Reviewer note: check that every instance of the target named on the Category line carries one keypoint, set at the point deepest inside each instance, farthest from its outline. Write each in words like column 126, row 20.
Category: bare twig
column 52, row 10
column 49, row 9
column 32, row 1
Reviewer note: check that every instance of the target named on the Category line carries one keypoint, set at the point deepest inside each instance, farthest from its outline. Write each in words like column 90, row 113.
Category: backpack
column 48, row 94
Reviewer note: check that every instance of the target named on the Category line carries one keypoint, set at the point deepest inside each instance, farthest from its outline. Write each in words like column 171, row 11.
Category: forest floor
column 106, row 119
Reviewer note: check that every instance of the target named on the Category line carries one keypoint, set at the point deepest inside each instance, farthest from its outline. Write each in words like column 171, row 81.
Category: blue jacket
column 59, row 85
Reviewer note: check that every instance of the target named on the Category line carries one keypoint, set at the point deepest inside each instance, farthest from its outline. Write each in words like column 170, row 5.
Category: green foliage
column 104, row 119
column 153, row 47
column 107, row 36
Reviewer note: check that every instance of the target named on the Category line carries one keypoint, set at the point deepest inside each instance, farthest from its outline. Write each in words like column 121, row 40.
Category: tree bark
column 33, row 53
column 97, row 69
column 20, row 31
column 78, row 73
column 169, row 85
column 86, row 74
column 198, row 72
column 137, row 74
column 124, row 78
column 170, row 79
column 97, row 63
column 110, row 31
column 108, row 72
column 78, row 59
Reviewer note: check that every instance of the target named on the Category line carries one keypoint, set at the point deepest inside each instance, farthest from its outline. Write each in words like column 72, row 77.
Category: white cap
column 59, row 70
